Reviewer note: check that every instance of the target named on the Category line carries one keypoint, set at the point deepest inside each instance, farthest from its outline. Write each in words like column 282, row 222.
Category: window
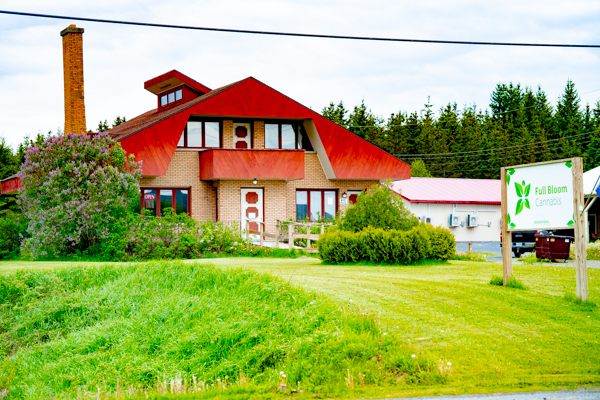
column 171, row 97
column 286, row 136
column 316, row 204
column 201, row 134
column 157, row 200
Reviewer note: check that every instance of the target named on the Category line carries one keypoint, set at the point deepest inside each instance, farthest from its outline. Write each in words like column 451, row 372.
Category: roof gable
column 153, row 137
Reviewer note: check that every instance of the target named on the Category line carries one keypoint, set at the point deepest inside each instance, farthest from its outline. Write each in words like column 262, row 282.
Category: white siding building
column 469, row 208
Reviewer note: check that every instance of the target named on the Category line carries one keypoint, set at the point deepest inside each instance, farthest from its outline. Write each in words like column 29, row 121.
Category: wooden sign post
column 539, row 197
column 580, row 230
column 506, row 234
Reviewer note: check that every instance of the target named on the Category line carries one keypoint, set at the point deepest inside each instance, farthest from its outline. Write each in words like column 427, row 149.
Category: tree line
column 520, row 127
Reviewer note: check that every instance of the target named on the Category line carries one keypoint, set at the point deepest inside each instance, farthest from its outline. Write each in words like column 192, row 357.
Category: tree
column 103, row 125
column 365, row 125
column 380, row 207
column 74, row 188
column 419, row 170
column 568, row 122
column 335, row 113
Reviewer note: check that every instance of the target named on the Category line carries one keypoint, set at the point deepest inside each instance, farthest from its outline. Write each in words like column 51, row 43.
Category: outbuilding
column 469, row 208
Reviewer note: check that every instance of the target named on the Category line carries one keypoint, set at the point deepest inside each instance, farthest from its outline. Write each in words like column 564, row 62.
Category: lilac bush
column 74, row 188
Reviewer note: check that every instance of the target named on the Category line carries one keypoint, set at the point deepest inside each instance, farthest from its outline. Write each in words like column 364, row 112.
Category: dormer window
column 172, row 97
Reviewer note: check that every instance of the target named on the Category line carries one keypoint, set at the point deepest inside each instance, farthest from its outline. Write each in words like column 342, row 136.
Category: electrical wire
column 305, row 35
column 450, row 154
column 500, row 156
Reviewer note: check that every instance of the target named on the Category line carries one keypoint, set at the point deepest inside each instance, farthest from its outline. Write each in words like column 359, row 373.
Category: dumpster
column 552, row 247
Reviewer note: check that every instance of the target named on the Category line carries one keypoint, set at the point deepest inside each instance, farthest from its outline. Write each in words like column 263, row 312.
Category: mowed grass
column 496, row 338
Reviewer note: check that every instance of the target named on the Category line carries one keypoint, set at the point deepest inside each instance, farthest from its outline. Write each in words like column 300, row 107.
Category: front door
column 252, row 207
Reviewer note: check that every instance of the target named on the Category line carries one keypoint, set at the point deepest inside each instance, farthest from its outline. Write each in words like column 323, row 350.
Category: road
column 562, row 395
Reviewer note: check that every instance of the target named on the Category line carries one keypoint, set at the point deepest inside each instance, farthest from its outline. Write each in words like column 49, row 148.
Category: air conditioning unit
column 454, row 220
column 472, row 221
column 428, row 220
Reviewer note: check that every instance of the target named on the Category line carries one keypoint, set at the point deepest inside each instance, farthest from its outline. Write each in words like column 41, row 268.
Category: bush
column 142, row 237
column 511, row 282
column 379, row 208
column 381, row 246
column 443, row 244
column 74, row 188
column 13, row 228
column 497, row 281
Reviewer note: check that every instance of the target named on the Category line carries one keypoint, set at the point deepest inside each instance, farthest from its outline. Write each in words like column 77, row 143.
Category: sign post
column 506, row 234
column 545, row 196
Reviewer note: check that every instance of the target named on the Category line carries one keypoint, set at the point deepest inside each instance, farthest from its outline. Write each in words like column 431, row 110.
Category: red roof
column 171, row 80
column 153, row 136
column 449, row 190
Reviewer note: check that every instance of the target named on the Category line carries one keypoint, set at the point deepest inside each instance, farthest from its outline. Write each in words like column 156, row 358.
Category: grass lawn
column 497, row 339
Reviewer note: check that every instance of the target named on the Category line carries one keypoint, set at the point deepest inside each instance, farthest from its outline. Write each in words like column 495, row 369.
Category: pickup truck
column 524, row 242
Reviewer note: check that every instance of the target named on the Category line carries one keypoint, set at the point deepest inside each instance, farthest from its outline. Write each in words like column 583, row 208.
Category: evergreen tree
column 336, row 114
column 364, row 124
column 568, row 122
column 396, row 137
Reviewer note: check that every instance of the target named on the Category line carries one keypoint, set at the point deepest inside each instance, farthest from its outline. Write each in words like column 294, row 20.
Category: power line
column 306, row 35
column 441, row 155
column 499, row 156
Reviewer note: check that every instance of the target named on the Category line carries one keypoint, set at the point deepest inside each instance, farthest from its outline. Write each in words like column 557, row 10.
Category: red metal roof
column 153, row 136
column 173, row 79
column 449, row 190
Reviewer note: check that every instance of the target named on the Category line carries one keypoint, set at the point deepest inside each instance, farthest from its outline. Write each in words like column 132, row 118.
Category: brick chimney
column 72, row 39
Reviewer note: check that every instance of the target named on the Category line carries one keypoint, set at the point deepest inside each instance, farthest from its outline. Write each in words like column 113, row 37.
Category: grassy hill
column 141, row 328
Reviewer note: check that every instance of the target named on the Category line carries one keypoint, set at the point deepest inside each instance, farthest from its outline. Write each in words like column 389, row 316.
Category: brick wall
column 259, row 134
column 184, row 172
column 72, row 41
column 228, row 134
column 279, row 195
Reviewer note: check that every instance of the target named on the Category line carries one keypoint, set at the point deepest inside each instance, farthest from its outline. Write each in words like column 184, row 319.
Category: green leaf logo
column 510, row 224
column 508, row 174
column 569, row 164
column 522, row 191
column 570, row 223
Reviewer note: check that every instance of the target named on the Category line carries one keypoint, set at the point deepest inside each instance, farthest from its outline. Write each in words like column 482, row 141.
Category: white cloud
column 389, row 76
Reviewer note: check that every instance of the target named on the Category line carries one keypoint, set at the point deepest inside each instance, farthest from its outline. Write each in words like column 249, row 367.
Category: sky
column 389, row 77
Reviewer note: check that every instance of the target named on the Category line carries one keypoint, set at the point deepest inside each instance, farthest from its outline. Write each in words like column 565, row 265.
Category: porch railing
column 291, row 235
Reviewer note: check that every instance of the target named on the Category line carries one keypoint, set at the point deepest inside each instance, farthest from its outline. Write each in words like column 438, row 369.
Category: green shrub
column 144, row 237
column 512, row 282
column 497, row 280
column 443, row 244
column 74, row 188
column 13, row 228
column 380, row 208
column 383, row 246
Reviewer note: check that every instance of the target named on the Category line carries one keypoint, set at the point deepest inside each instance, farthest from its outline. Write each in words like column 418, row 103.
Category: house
column 469, row 208
column 241, row 151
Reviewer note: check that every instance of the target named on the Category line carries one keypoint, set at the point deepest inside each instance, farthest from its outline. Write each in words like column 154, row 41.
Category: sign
column 343, row 201
column 546, row 195
column 540, row 197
